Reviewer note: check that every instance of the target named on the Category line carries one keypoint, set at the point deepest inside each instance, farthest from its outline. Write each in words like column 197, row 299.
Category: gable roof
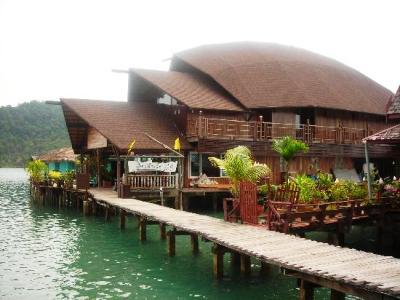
column 265, row 75
column 394, row 105
column 120, row 122
column 190, row 89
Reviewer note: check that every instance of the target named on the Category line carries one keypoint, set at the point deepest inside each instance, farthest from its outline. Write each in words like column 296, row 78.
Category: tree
column 239, row 166
column 287, row 147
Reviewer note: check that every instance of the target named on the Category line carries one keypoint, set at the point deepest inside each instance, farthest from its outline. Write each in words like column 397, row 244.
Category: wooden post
column 163, row 233
column 108, row 213
column 194, row 241
column 336, row 295
column 245, row 264
column 98, row 167
column 122, row 218
column 171, row 242
column 306, row 290
column 142, row 228
column 218, row 261
column 340, row 238
column 368, row 170
column 94, row 207
column 118, row 176
column 235, row 259
column 265, row 268
column 214, row 201
column 86, row 210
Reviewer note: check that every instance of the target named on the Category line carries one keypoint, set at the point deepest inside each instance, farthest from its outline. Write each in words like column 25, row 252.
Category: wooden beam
column 218, row 261
column 194, row 242
column 163, row 233
column 245, row 264
column 235, row 259
column 107, row 213
column 122, row 218
column 338, row 286
column 306, row 290
column 171, row 242
column 142, row 228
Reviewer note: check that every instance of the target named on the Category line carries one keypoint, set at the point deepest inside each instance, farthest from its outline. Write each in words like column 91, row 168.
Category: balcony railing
column 141, row 181
column 208, row 128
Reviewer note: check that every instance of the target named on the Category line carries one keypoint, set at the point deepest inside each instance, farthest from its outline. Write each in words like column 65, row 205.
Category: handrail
column 213, row 128
column 146, row 181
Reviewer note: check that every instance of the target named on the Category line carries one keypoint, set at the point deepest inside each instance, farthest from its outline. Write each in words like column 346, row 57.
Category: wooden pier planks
column 363, row 270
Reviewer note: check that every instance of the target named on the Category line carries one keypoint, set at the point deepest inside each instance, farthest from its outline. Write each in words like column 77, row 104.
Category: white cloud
column 67, row 48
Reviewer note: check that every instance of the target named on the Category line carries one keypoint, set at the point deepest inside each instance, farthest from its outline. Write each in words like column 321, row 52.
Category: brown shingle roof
column 388, row 136
column 394, row 105
column 57, row 155
column 190, row 89
column 120, row 122
column 262, row 75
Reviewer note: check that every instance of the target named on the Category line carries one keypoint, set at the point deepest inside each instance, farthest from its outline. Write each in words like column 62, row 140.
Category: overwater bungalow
column 61, row 160
column 215, row 97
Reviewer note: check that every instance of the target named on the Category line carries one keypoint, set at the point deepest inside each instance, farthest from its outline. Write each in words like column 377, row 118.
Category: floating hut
column 62, row 159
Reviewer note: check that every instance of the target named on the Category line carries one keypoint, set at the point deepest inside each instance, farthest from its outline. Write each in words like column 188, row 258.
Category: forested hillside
column 30, row 128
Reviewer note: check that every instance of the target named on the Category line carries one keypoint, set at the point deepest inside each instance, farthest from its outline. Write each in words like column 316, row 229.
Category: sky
column 68, row 48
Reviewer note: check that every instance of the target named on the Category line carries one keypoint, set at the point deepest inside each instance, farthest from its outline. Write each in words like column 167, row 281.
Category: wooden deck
column 345, row 270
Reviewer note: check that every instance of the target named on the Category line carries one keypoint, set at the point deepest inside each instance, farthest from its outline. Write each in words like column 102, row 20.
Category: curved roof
column 190, row 89
column 264, row 75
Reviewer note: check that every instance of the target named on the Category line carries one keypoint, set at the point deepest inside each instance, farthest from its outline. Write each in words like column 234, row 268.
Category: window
column 166, row 99
column 199, row 164
column 298, row 122
column 57, row 166
column 194, row 162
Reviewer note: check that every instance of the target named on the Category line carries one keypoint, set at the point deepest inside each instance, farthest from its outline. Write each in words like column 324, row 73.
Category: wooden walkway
column 363, row 274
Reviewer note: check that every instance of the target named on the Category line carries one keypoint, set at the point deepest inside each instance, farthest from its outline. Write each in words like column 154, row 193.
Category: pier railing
column 211, row 128
column 141, row 181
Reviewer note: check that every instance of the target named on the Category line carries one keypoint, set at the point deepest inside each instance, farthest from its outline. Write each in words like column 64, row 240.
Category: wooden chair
column 248, row 203
column 287, row 193
column 244, row 208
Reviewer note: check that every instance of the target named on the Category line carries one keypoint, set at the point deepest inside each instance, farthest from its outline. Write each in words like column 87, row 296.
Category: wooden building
column 215, row 97
column 61, row 160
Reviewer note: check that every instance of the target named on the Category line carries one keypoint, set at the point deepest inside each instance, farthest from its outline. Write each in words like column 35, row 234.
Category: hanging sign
column 137, row 166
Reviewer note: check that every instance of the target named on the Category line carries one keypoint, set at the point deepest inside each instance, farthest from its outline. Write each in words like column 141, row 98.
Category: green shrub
column 239, row 165
column 308, row 188
column 37, row 170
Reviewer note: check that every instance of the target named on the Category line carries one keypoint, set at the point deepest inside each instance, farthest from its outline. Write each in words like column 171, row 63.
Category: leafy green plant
column 68, row 177
column 339, row 191
column 308, row 188
column 55, row 175
column 239, row 165
column 287, row 147
column 324, row 181
column 37, row 170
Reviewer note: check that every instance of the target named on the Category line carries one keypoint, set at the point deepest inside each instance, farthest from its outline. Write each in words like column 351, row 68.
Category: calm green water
column 51, row 253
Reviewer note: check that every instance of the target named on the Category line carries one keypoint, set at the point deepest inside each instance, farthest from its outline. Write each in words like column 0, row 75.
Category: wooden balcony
column 152, row 182
column 223, row 129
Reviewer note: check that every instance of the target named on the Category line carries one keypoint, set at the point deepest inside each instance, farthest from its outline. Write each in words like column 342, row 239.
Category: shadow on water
column 48, row 253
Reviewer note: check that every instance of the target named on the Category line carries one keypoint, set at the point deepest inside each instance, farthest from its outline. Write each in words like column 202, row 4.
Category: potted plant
column 239, row 165
column 287, row 147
